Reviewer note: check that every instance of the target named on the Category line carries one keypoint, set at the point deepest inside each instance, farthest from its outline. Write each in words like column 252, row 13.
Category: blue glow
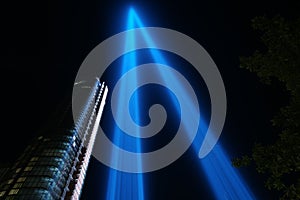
column 224, row 179
column 167, row 78
column 125, row 185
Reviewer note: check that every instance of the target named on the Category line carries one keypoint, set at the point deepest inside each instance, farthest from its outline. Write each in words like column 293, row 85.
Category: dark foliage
column 279, row 161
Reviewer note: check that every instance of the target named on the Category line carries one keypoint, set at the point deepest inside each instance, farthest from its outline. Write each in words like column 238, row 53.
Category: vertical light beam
column 224, row 179
column 121, row 185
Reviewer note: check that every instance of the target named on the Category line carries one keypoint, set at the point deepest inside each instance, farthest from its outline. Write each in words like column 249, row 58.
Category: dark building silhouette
column 54, row 165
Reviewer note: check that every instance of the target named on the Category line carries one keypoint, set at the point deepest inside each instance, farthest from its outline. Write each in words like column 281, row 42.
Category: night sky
column 43, row 46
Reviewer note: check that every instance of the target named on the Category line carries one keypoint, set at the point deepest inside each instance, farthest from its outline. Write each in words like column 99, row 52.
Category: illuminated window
column 21, row 179
column 18, row 170
column 13, row 191
column 2, row 193
column 18, row 185
column 34, row 158
column 27, row 169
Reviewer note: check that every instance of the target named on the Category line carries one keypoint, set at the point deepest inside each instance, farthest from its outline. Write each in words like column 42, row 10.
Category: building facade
column 54, row 165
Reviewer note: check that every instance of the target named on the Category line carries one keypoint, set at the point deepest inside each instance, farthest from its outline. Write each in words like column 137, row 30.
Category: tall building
column 54, row 165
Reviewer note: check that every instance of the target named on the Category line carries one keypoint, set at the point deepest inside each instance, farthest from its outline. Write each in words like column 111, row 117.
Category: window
column 27, row 169
column 21, row 179
column 2, row 193
column 18, row 170
column 34, row 158
column 18, row 185
column 13, row 191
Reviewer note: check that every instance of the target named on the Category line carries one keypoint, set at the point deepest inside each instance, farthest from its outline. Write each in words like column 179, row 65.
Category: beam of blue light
column 124, row 186
column 224, row 179
column 158, row 58
column 137, row 111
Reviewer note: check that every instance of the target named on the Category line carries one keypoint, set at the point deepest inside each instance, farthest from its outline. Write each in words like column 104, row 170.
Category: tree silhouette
column 279, row 161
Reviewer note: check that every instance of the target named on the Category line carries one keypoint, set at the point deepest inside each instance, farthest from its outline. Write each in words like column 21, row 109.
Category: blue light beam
column 224, row 179
column 121, row 185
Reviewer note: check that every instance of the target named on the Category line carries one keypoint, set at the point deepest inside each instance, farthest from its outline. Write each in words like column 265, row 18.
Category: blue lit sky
column 44, row 47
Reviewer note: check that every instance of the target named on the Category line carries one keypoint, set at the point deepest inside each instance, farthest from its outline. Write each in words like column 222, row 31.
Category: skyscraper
column 54, row 165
